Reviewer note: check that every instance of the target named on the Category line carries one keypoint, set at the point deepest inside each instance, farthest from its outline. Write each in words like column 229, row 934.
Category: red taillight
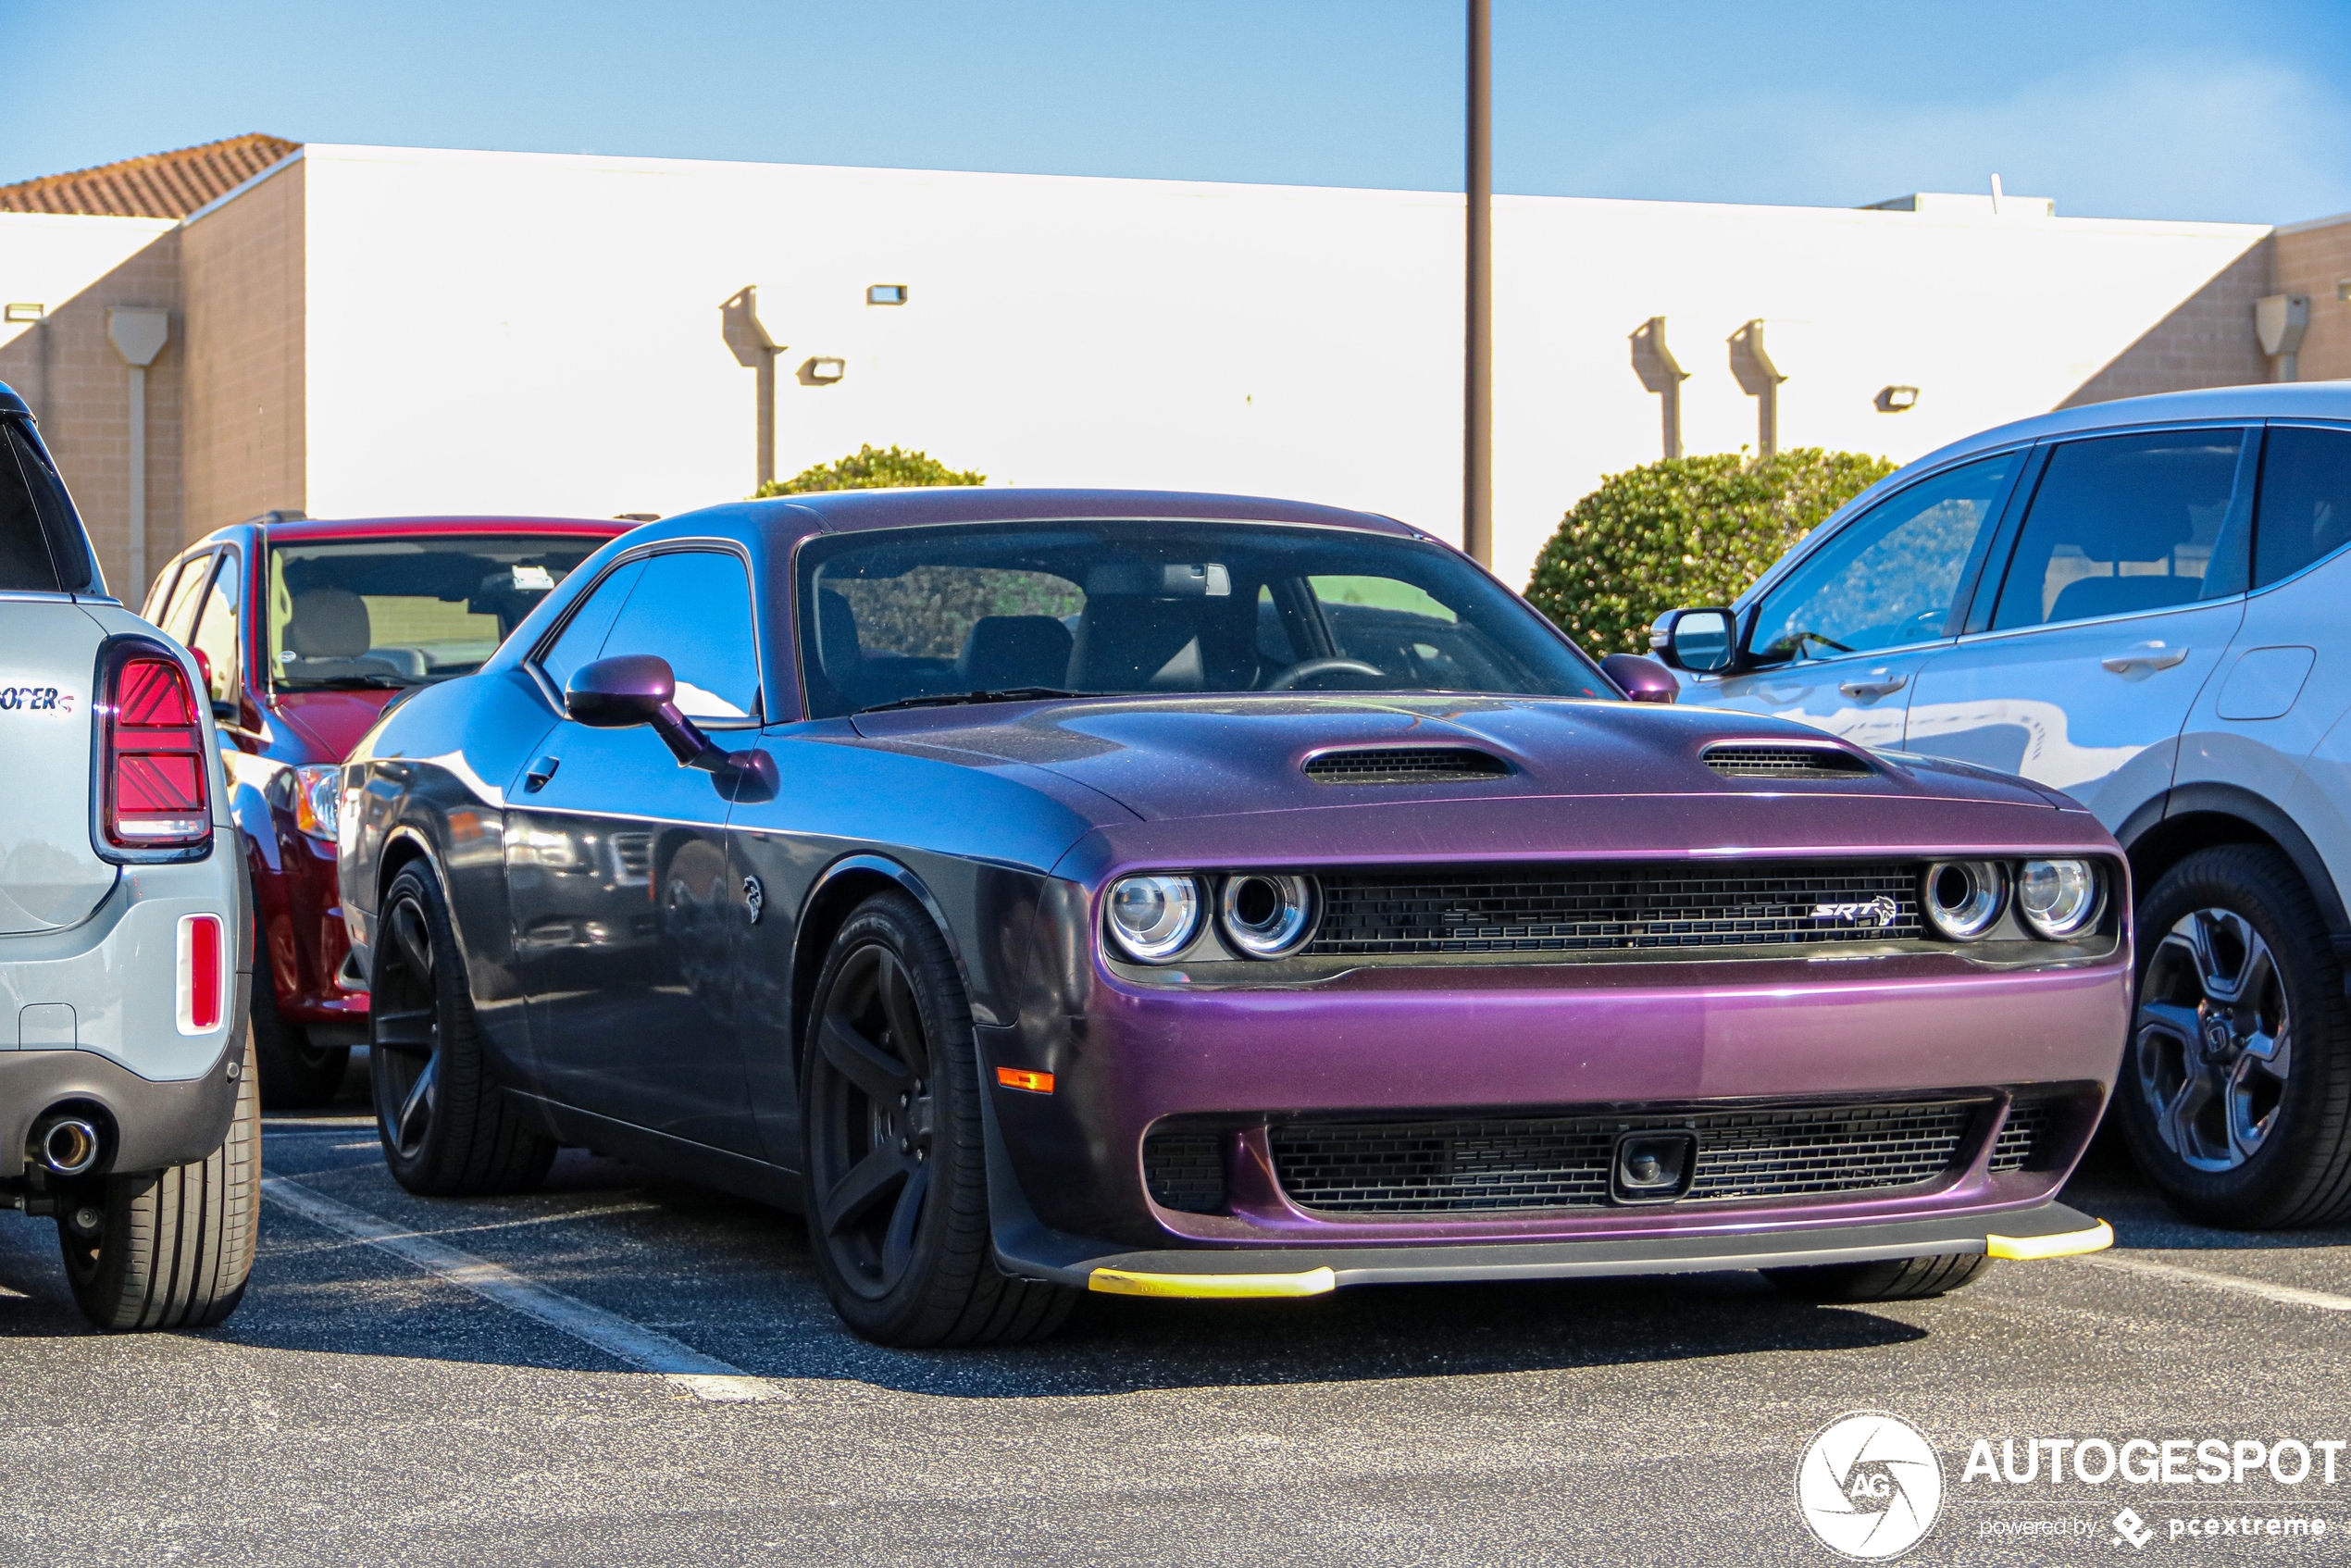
column 204, row 972
column 153, row 759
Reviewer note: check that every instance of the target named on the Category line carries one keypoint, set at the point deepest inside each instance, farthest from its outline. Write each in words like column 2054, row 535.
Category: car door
column 2124, row 583
column 1841, row 635
column 616, row 864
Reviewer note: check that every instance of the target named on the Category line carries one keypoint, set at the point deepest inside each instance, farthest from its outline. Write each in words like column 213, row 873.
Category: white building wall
column 510, row 333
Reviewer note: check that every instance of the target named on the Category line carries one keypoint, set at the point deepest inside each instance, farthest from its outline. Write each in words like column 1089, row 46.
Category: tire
column 896, row 1169
column 1892, row 1279
column 2235, row 1088
column 295, row 1075
column 447, row 1129
column 169, row 1249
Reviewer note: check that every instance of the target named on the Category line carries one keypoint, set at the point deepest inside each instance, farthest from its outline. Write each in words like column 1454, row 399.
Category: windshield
column 961, row 614
column 392, row 612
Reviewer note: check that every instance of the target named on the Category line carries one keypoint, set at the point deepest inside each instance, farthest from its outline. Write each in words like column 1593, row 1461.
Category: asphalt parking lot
column 362, row 1408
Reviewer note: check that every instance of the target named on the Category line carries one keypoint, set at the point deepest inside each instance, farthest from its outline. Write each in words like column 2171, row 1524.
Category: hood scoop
column 1751, row 760
column 1405, row 765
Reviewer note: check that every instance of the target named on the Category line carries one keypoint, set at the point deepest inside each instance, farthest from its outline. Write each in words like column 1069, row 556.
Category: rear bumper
column 154, row 1124
column 2042, row 1230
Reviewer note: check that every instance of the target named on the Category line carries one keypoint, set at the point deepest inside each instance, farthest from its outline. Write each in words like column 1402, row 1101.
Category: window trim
column 2253, row 438
column 697, row 545
column 227, row 558
column 2253, row 544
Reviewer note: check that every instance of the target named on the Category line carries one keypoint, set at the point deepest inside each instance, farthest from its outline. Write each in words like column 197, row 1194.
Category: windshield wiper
column 950, row 699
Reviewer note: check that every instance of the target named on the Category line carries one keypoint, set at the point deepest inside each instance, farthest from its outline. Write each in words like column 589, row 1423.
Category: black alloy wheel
column 446, row 1129
column 2235, row 1088
column 896, row 1184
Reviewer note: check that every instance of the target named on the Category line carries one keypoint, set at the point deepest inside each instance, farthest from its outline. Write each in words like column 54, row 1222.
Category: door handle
column 2154, row 656
column 1884, row 685
column 540, row 771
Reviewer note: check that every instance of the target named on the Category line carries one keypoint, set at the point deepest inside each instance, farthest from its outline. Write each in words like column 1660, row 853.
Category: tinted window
column 1104, row 607
column 693, row 608
column 215, row 636
column 25, row 561
column 2305, row 501
column 68, row 545
column 1888, row 577
column 179, row 616
column 2126, row 524
column 408, row 611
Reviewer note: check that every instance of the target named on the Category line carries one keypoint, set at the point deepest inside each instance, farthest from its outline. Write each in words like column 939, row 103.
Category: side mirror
column 1641, row 680
column 1701, row 640
column 634, row 688
column 620, row 694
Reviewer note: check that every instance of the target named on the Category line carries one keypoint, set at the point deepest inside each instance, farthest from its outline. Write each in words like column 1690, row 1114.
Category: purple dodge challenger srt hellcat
column 1183, row 895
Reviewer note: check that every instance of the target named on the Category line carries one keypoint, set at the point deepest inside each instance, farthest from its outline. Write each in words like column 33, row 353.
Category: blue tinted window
column 2305, row 501
column 2127, row 524
column 582, row 638
column 693, row 608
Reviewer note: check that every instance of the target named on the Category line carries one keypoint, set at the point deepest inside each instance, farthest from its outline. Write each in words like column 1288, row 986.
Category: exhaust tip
column 67, row 1146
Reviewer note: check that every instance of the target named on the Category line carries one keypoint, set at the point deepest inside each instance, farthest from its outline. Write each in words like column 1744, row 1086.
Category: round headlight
column 1154, row 917
column 1964, row 898
column 1266, row 916
column 2058, row 898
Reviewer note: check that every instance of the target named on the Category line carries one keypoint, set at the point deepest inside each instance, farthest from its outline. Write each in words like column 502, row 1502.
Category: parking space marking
column 705, row 1377
column 2292, row 1295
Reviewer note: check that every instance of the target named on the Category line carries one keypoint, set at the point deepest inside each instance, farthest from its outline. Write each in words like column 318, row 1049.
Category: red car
column 307, row 631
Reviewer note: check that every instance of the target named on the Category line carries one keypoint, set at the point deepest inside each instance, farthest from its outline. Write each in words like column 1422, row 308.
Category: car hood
column 1172, row 758
column 332, row 722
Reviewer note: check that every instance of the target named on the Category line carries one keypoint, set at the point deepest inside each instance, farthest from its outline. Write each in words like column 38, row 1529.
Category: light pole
column 1477, row 400
column 138, row 335
column 755, row 350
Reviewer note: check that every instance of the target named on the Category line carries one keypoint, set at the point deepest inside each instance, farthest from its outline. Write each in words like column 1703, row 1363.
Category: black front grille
column 1632, row 908
column 2021, row 1137
column 1747, row 761
column 1563, row 1163
column 1405, row 765
column 1183, row 1169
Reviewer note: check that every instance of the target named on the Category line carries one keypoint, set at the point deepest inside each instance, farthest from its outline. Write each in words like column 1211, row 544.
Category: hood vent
column 1405, row 764
column 1748, row 760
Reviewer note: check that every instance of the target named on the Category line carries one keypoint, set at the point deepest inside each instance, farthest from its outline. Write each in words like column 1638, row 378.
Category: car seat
column 1008, row 650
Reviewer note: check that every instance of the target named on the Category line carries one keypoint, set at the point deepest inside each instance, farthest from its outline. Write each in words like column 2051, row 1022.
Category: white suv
column 127, row 1098
column 2146, row 605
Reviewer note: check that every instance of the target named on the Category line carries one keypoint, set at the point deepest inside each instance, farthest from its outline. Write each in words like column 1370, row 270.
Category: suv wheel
column 2236, row 1089
column 169, row 1249
column 897, row 1193
column 446, row 1128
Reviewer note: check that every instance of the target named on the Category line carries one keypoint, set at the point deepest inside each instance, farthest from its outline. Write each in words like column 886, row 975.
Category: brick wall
column 243, row 266
column 2312, row 259
column 2205, row 340
column 80, row 390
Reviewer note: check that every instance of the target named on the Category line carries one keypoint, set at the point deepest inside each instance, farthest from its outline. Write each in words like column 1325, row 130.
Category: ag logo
column 1868, row 1487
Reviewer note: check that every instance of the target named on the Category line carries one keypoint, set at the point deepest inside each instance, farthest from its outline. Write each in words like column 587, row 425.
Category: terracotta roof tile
column 159, row 185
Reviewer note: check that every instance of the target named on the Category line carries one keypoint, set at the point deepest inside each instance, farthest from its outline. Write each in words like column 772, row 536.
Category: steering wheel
column 1307, row 670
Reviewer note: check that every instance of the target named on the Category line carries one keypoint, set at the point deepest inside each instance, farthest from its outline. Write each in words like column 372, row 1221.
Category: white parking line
column 2292, row 1295
column 705, row 1377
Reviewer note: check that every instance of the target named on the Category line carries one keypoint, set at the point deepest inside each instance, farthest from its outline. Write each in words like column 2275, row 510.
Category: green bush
column 871, row 468
column 1688, row 530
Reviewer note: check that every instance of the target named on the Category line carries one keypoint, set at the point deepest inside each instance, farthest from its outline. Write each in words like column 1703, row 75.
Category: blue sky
column 2157, row 108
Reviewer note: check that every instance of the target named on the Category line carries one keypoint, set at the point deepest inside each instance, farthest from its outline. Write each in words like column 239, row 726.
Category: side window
column 160, row 595
column 1887, row 578
column 2126, row 524
column 25, row 562
column 216, row 634
column 581, row 642
column 2305, row 501
column 179, row 616
column 693, row 608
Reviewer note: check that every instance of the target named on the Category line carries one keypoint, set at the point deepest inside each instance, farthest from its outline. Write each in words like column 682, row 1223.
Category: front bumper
column 2046, row 1230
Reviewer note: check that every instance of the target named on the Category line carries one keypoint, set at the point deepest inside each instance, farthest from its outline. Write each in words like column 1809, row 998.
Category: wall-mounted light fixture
column 22, row 312
column 885, row 293
column 1759, row 376
column 1894, row 400
column 2280, row 321
column 1663, row 375
column 823, row 371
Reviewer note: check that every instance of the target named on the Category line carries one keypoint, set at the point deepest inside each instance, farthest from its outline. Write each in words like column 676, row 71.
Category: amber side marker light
column 1020, row 1078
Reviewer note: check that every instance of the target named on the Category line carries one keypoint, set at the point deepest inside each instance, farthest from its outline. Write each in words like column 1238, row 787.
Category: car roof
column 843, row 511
column 403, row 528
column 2280, row 400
